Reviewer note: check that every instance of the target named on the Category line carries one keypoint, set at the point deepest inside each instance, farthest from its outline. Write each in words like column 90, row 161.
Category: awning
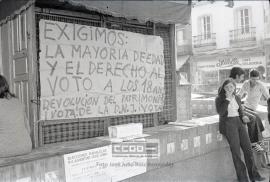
column 11, row 8
column 166, row 12
column 181, row 60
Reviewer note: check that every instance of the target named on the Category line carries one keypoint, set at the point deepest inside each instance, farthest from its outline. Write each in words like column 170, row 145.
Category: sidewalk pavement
column 216, row 166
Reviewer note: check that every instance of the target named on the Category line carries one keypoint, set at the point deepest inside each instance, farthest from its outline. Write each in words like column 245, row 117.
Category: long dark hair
column 4, row 89
column 222, row 92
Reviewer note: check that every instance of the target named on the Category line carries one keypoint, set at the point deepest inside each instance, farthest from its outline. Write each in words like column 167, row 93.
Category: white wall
column 223, row 19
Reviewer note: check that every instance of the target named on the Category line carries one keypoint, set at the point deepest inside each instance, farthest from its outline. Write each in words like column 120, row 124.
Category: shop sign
column 228, row 63
column 88, row 71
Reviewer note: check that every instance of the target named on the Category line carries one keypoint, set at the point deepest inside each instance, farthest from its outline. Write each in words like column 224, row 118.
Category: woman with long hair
column 14, row 127
column 232, row 126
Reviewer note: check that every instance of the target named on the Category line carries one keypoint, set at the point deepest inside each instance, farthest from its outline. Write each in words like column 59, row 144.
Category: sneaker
column 261, row 144
column 256, row 147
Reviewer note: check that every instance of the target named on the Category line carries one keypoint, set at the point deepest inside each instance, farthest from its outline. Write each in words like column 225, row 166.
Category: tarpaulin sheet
column 166, row 12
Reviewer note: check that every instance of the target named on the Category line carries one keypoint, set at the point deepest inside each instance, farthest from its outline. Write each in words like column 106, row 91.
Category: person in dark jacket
column 232, row 126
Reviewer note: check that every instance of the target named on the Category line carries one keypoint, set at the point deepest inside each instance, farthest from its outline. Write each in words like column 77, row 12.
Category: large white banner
column 90, row 71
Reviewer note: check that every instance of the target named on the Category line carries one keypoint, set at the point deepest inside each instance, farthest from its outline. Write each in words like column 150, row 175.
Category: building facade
column 224, row 37
column 184, row 53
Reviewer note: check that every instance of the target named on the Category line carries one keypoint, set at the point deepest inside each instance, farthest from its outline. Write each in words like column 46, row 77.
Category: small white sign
column 184, row 144
column 99, row 165
column 170, row 148
column 197, row 141
column 208, row 138
column 89, row 165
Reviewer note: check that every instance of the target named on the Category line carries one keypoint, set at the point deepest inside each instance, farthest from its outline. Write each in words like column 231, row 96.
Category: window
column 206, row 27
column 244, row 20
column 180, row 37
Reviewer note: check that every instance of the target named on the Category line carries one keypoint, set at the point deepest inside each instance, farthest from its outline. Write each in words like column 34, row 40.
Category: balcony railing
column 243, row 34
column 204, row 40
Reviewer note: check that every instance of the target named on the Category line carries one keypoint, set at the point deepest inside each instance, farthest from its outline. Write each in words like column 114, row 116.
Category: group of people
column 239, row 122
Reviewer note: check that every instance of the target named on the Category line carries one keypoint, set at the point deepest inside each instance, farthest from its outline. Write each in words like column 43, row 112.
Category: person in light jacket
column 232, row 126
column 14, row 127
column 254, row 89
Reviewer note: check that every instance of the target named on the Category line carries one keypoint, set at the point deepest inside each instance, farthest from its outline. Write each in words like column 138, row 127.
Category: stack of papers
column 125, row 130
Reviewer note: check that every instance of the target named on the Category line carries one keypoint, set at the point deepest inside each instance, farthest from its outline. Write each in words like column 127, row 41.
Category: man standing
column 237, row 74
column 254, row 90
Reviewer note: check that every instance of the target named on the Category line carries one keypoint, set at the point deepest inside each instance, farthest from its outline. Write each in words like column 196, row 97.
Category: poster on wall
column 88, row 165
column 100, row 165
column 88, row 71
